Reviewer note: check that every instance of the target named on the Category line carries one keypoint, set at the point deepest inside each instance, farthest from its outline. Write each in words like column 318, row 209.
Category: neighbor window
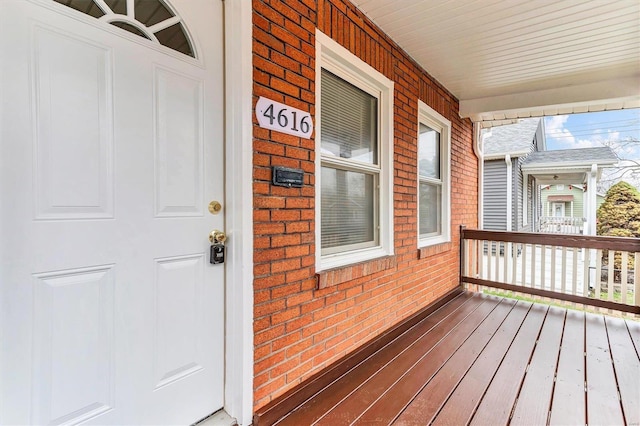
column 434, row 148
column 354, row 161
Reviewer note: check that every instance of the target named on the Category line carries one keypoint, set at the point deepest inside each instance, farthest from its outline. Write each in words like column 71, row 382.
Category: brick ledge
column 332, row 277
column 425, row 252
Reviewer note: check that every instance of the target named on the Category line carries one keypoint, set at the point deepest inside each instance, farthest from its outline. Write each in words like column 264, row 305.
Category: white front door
column 111, row 148
column 558, row 209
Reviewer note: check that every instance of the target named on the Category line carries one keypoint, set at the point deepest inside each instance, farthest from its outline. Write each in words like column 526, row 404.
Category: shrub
column 619, row 216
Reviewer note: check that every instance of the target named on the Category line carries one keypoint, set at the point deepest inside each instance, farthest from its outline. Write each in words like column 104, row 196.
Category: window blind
column 349, row 120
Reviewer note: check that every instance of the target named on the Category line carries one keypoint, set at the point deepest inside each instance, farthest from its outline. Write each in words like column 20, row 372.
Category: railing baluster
column 623, row 278
column 489, row 254
column 468, row 260
column 598, row 287
column 523, row 272
column 574, row 273
column 514, row 264
column 553, row 268
column 474, row 264
column 611, row 259
column 585, row 272
column 507, row 256
column 543, row 266
column 636, row 279
column 481, row 245
column 498, row 244
column 533, row 266
column 464, row 270
column 563, row 282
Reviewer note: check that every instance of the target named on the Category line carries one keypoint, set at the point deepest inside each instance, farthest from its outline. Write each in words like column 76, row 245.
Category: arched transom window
column 151, row 19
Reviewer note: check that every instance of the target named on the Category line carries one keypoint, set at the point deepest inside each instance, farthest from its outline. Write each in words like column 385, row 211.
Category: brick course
column 303, row 321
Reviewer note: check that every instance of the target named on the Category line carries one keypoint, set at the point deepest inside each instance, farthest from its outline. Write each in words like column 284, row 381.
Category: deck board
column 324, row 401
column 464, row 399
column 634, row 331
column 496, row 405
column 569, row 405
column 627, row 367
column 401, row 388
column 534, row 399
column 603, row 404
column 464, row 319
column 485, row 360
column 433, row 396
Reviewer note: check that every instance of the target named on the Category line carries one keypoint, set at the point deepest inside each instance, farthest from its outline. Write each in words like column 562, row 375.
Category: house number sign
column 283, row 118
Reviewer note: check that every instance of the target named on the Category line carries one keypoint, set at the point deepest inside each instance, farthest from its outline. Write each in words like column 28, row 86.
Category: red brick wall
column 299, row 329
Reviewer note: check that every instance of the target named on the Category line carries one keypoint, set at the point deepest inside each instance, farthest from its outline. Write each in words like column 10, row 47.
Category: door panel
column 74, row 144
column 178, row 144
column 110, row 150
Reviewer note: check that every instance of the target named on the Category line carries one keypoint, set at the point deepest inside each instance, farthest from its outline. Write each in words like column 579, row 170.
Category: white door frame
column 238, row 392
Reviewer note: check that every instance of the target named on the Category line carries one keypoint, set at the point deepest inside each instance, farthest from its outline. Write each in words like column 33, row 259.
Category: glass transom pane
column 128, row 27
column 430, row 209
column 149, row 16
column 175, row 38
column 347, row 213
column 84, row 6
column 150, row 12
column 117, row 6
column 429, row 152
column 349, row 120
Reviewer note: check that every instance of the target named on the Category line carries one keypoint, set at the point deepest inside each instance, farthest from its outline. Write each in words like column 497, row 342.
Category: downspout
column 478, row 147
column 507, row 160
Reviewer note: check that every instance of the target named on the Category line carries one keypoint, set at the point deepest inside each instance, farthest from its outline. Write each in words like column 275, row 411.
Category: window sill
column 429, row 251
column 333, row 277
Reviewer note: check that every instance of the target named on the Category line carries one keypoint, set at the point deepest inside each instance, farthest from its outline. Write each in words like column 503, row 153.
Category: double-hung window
column 434, row 151
column 354, row 159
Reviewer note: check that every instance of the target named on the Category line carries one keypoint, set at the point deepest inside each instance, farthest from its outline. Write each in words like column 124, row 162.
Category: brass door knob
column 215, row 207
column 217, row 236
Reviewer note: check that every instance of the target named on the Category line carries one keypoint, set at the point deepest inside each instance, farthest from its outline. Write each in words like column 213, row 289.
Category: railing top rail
column 563, row 240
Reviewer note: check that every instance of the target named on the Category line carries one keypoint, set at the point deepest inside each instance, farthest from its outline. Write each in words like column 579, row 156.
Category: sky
column 607, row 128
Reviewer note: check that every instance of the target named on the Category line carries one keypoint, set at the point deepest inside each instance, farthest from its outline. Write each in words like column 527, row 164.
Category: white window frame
column 434, row 120
column 336, row 59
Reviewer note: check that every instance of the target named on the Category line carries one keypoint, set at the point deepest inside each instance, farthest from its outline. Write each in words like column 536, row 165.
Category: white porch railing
column 591, row 270
column 561, row 225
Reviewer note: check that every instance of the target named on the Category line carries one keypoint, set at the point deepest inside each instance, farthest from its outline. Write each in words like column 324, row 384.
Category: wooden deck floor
column 485, row 360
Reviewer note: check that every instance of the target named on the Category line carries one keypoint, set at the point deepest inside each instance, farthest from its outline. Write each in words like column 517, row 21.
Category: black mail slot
column 284, row 176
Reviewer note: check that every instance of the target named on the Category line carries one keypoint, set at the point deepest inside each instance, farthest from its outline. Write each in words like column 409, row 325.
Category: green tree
column 619, row 216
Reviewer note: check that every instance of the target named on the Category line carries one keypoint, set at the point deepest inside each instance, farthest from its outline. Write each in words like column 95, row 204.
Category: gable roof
column 513, row 139
column 601, row 156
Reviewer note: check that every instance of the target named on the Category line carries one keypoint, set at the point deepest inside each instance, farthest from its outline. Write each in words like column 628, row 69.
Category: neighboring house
column 206, row 203
column 517, row 195
column 505, row 191
column 579, row 170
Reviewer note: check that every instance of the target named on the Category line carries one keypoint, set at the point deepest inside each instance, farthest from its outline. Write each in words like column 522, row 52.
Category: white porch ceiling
column 508, row 59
